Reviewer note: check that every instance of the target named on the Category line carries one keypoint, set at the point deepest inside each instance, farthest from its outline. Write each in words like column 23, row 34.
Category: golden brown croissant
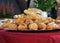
column 22, row 26
column 52, row 26
column 28, row 21
column 33, row 26
column 42, row 26
column 4, row 25
column 32, row 11
column 18, row 21
column 48, row 20
column 57, row 21
column 8, row 21
column 12, row 27
column 37, row 21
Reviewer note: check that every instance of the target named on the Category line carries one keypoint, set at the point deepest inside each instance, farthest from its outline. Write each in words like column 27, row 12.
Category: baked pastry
column 37, row 21
column 52, row 26
column 15, row 16
column 37, row 16
column 12, row 27
column 58, row 18
column 30, row 17
column 48, row 20
column 36, row 10
column 33, row 26
column 28, row 21
column 5, row 25
column 42, row 26
column 8, row 21
column 57, row 21
column 45, row 21
column 31, row 11
column 18, row 21
column 22, row 26
column 21, row 16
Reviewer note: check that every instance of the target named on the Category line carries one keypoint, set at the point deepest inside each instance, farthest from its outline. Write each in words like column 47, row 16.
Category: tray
column 34, row 31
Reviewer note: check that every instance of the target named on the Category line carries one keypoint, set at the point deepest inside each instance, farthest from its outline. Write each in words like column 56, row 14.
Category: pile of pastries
column 31, row 20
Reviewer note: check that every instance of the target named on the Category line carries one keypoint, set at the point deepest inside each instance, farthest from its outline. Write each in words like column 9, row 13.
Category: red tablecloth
column 19, row 37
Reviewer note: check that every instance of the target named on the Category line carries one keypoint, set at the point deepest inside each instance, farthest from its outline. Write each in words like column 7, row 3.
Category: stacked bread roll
column 31, row 20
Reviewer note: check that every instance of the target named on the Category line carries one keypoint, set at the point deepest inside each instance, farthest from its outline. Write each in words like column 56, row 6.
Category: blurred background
column 9, row 8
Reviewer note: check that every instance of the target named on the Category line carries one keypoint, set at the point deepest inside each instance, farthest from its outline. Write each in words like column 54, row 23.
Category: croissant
column 12, row 27
column 33, row 26
column 8, row 21
column 37, row 21
column 31, row 11
column 42, row 26
column 4, row 25
column 52, row 26
column 22, row 26
column 48, row 20
column 28, row 21
column 18, row 21
column 57, row 21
